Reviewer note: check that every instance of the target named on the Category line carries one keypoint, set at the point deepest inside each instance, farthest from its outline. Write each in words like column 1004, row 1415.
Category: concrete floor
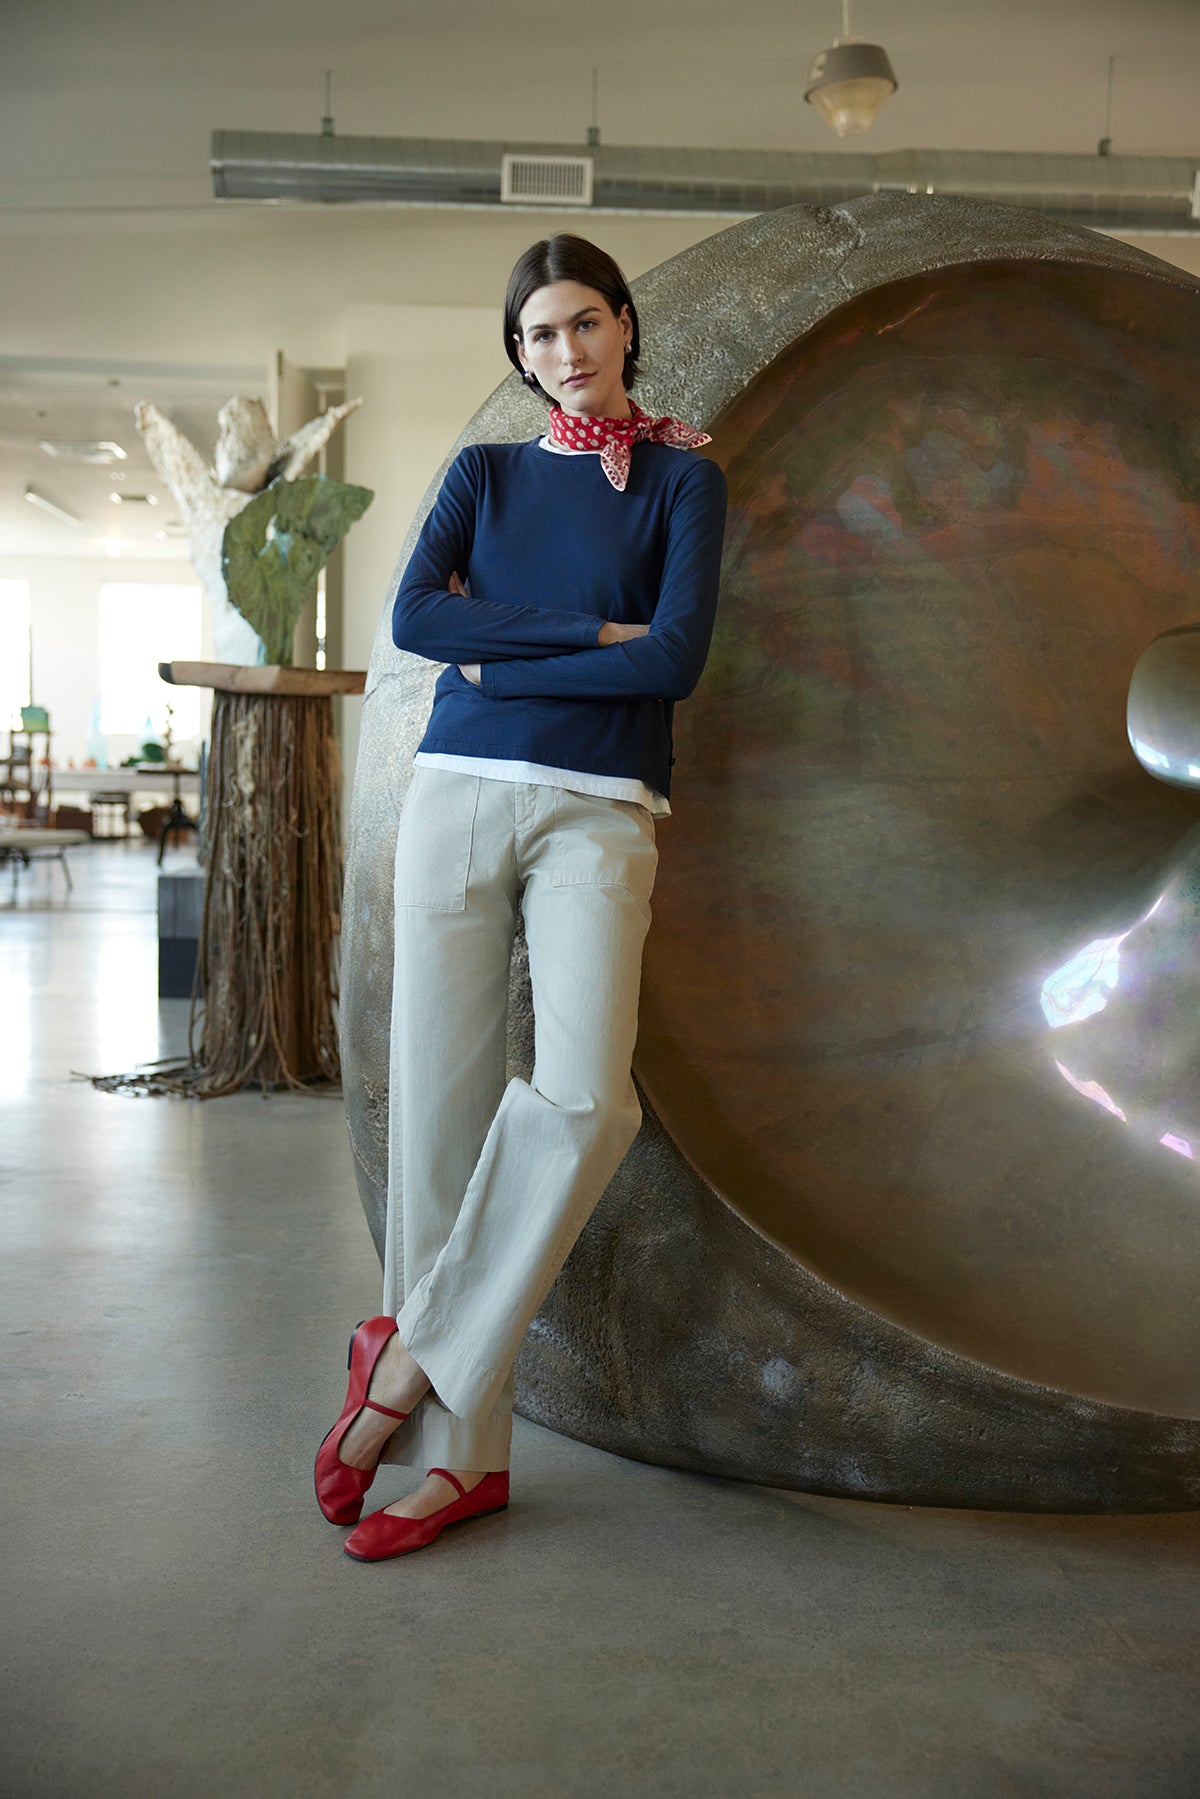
column 178, row 1283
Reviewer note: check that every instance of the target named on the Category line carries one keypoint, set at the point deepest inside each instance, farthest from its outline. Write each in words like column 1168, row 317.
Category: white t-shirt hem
column 574, row 780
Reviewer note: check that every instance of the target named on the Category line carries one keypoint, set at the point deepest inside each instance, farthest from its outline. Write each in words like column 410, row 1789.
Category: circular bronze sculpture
column 914, row 1211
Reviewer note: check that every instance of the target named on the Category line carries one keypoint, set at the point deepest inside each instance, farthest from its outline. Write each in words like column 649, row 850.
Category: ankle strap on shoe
column 387, row 1411
column 446, row 1475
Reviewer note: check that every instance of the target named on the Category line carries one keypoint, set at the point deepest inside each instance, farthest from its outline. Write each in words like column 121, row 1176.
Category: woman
column 570, row 585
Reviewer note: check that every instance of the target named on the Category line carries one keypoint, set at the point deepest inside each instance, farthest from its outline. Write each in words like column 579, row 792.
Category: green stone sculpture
column 275, row 547
column 248, row 456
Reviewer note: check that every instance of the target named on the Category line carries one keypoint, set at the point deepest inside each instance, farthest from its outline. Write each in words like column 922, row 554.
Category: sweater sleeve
column 667, row 663
column 431, row 621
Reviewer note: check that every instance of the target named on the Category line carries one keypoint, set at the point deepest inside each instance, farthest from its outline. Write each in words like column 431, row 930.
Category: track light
column 849, row 83
column 39, row 499
column 101, row 451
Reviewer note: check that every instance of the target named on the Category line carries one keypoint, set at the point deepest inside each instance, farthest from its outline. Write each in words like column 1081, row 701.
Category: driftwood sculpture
column 264, row 1008
column 248, row 459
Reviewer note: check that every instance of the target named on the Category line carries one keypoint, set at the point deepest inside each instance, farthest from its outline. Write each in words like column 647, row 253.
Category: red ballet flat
column 340, row 1489
column 383, row 1535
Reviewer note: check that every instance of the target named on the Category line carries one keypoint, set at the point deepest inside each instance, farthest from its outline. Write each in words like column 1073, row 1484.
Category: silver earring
column 527, row 378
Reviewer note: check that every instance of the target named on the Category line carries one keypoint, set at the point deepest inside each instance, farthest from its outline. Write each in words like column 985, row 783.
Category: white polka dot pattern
column 618, row 436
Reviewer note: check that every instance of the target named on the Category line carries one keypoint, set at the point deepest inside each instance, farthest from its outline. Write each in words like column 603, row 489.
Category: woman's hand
column 468, row 670
column 611, row 633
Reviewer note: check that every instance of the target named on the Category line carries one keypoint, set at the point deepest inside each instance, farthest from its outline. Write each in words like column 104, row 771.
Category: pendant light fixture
column 850, row 82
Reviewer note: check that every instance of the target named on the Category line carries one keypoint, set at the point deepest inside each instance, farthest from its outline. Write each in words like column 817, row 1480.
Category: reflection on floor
column 177, row 1284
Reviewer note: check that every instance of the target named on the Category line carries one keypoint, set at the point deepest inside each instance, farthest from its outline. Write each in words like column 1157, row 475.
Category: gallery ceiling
column 107, row 96
column 106, row 114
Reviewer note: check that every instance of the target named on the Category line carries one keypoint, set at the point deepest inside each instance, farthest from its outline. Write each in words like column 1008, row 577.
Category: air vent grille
column 546, row 180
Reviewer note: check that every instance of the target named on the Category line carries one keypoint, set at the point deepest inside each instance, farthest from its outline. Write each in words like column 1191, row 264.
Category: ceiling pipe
column 1117, row 193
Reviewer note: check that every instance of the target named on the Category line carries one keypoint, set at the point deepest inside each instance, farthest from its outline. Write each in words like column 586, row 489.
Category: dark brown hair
column 566, row 258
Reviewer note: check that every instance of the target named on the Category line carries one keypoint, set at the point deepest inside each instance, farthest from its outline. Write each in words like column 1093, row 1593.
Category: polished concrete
column 177, row 1283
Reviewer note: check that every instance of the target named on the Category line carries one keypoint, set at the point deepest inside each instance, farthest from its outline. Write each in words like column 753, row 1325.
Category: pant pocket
column 437, row 832
column 603, row 843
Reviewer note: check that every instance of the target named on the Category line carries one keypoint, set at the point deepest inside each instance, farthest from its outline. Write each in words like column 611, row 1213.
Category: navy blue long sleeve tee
column 549, row 551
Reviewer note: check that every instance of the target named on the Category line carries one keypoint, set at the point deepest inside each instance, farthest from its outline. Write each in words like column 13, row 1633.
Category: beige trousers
column 490, row 1182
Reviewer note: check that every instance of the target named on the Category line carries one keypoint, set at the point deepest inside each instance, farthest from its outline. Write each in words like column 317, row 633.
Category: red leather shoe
column 340, row 1489
column 383, row 1535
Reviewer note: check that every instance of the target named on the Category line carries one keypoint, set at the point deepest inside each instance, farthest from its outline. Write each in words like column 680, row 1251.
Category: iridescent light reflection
column 1094, row 1091
column 1151, row 758
column 1081, row 986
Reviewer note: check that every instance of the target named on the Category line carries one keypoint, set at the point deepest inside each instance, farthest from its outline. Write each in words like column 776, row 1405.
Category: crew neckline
column 547, row 443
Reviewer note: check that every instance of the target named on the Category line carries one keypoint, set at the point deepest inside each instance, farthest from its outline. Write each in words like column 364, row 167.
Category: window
column 141, row 625
column 14, row 653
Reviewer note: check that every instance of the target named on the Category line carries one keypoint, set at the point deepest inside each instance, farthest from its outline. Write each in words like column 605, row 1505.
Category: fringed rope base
column 267, row 962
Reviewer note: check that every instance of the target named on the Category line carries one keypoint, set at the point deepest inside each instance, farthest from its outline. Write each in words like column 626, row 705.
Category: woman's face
column 575, row 346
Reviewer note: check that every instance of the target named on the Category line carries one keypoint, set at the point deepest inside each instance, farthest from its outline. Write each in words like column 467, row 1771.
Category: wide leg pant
column 490, row 1182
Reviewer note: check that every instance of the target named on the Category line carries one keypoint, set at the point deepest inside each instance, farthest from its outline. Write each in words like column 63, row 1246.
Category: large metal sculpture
column 915, row 1212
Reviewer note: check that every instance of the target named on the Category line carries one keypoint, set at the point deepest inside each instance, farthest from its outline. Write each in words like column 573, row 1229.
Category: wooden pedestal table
column 268, row 955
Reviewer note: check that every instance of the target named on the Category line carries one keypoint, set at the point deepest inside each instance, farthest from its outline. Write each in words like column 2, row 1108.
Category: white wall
column 422, row 371
column 64, row 621
column 234, row 284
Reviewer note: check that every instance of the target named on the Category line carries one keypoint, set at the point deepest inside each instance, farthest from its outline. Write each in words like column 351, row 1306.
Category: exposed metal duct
column 1117, row 193
column 250, row 165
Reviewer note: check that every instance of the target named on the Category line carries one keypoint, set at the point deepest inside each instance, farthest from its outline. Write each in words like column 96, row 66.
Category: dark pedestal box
column 180, row 909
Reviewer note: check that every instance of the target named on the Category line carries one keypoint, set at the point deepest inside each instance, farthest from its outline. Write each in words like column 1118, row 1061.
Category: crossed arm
column 517, row 651
column 609, row 633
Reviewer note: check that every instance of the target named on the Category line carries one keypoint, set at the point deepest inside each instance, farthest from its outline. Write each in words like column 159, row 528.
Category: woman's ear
column 521, row 357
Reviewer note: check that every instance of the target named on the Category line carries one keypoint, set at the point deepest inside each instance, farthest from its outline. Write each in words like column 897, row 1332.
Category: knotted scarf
column 615, row 438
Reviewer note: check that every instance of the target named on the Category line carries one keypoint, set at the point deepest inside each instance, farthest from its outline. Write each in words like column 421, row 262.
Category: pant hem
column 435, row 1437
column 467, row 1387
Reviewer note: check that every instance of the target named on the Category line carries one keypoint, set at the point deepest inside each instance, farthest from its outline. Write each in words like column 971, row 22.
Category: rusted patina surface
column 960, row 509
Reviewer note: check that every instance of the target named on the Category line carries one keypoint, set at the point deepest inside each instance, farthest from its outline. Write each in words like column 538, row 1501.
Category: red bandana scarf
column 615, row 438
